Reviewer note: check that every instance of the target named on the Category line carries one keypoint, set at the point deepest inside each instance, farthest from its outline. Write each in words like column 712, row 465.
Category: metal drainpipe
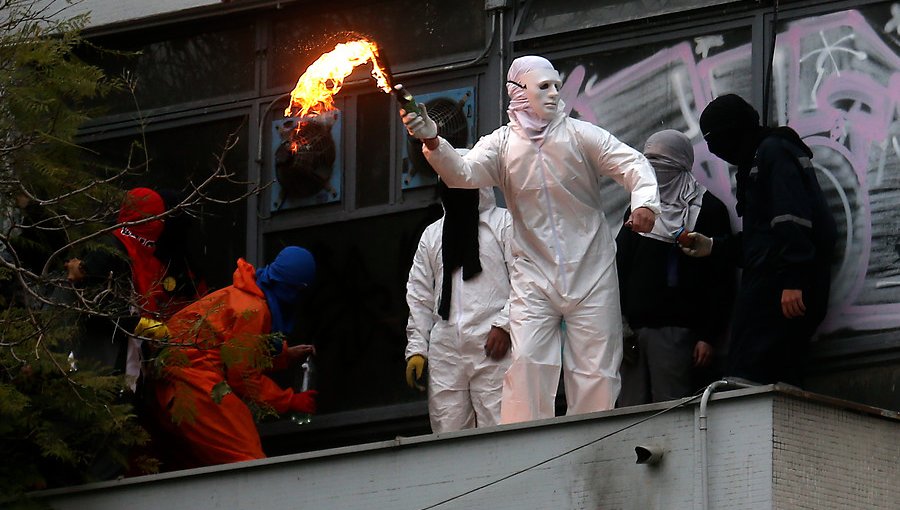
column 702, row 427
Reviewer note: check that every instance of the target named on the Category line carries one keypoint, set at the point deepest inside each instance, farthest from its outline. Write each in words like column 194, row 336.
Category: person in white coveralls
column 458, row 297
column 549, row 167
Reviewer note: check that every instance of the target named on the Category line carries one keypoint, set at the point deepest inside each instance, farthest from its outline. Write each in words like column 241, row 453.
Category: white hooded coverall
column 563, row 256
column 464, row 384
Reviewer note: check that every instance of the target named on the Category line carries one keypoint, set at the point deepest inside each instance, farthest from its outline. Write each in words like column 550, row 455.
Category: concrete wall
column 832, row 458
column 813, row 465
column 103, row 12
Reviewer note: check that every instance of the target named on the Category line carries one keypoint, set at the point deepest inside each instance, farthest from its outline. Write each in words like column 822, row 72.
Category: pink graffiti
column 838, row 84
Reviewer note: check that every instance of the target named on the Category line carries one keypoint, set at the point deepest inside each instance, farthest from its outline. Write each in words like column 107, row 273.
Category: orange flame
column 323, row 79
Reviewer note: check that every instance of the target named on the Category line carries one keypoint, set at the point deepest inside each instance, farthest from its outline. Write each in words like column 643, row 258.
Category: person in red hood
column 139, row 241
column 218, row 348
column 125, row 262
column 129, row 249
column 136, row 240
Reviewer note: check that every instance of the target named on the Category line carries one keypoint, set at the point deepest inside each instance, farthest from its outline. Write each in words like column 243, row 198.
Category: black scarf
column 459, row 239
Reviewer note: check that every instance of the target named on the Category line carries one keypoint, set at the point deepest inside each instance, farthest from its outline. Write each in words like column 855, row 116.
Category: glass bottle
column 308, row 382
column 406, row 100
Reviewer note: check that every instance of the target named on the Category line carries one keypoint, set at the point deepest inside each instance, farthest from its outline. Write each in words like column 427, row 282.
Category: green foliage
column 64, row 422
column 55, row 423
column 219, row 391
column 248, row 351
column 245, row 353
column 58, row 425
column 45, row 90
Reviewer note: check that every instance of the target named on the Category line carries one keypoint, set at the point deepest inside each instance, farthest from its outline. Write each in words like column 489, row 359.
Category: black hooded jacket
column 788, row 230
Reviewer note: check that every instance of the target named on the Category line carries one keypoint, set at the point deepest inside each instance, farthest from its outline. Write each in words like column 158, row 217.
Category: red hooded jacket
column 139, row 240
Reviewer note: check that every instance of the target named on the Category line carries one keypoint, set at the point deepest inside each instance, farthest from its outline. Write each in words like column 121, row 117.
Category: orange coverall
column 234, row 321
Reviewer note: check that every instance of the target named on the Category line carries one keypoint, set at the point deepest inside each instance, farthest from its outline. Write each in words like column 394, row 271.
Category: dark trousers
column 766, row 347
column 662, row 369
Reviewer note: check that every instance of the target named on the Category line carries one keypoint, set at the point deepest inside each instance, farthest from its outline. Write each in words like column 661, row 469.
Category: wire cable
column 680, row 403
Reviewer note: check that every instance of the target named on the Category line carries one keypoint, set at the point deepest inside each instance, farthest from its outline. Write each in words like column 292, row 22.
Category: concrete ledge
column 585, row 461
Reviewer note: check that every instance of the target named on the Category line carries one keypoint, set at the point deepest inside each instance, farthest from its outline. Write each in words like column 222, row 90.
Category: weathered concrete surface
column 769, row 447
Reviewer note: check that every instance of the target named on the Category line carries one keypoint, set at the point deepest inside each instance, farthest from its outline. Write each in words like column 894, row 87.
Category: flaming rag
column 224, row 339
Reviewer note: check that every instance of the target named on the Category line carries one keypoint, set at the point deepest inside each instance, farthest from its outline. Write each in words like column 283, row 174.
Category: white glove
column 421, row 127
column 698, row 245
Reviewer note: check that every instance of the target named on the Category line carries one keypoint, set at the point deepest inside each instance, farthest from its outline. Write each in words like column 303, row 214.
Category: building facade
column 205, row 74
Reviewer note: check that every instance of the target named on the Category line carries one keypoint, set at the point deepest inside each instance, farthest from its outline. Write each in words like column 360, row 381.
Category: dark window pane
column 184, row 155
column 404, row 30
column 454, row 112
column 356, row 316
column 180, row 69
column 373, row 149
column 551, row 16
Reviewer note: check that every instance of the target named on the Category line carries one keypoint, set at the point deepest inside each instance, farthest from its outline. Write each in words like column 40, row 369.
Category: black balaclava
column 732, row 132
column 459, row 239
column 731, row 129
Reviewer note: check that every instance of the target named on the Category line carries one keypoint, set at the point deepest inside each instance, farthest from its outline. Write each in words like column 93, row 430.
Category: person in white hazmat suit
column 459, row 319
column 549, row 168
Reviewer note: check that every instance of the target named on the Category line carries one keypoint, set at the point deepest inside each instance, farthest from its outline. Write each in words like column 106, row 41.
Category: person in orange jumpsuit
column 219, row 347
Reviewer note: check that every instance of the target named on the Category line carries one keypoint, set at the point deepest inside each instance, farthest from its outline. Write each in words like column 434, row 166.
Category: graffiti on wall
column 836, row 80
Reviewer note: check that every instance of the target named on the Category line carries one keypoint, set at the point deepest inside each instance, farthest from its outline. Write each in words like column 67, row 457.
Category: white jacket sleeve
column 504, row 235
column 420, row 297
column 479, row 168
column 622, row 163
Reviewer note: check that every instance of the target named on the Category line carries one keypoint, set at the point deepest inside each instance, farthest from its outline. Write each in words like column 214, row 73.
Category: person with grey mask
column 677, row 306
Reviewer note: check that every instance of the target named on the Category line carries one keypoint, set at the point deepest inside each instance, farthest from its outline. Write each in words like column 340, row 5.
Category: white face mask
column 542, row 91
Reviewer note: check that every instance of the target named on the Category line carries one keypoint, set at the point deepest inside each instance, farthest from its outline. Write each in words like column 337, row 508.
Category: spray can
column 406, row 100
column 682, row 238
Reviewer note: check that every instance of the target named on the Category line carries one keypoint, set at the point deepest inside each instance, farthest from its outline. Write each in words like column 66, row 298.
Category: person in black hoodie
column 786, row 246
column 677, row 306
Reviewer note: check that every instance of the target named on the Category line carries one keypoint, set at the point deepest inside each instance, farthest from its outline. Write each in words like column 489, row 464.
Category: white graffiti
column 893, row 24
column 706, row 43
column 679, row 85
column 825, row 55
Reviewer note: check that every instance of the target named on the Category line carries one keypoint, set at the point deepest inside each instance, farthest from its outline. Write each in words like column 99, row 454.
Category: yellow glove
column 415, row 369
column 149, row 328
